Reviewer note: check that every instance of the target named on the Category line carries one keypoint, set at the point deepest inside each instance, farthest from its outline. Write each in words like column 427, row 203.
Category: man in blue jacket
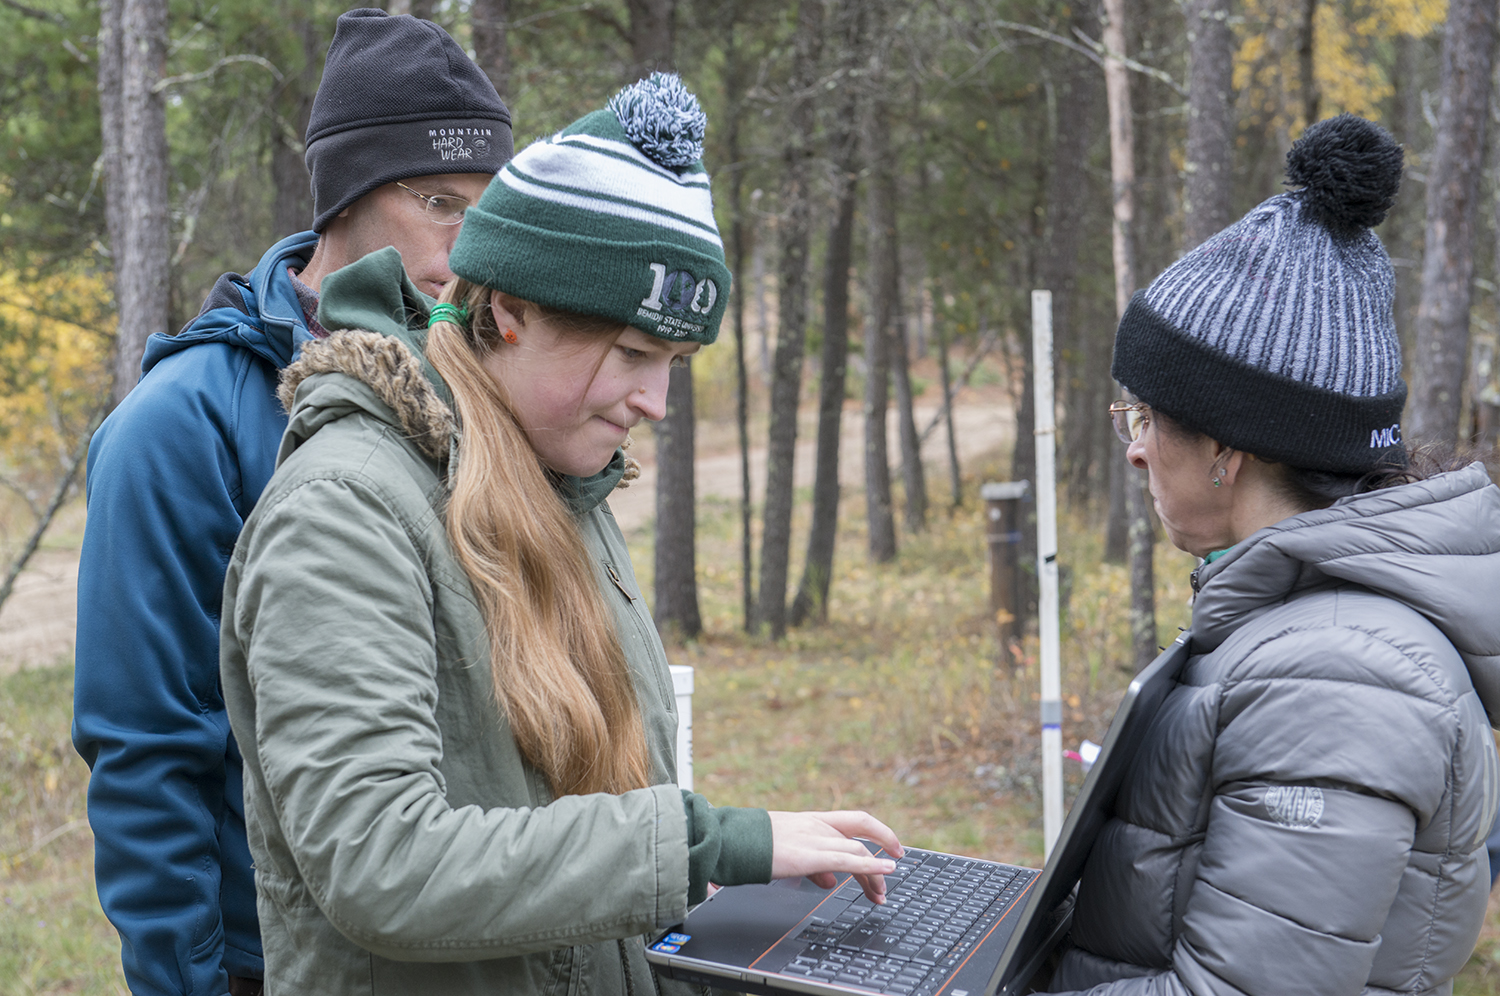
column 405, row 132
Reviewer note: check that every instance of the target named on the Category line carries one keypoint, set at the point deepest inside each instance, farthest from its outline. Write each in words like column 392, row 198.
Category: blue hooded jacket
column 172, row 475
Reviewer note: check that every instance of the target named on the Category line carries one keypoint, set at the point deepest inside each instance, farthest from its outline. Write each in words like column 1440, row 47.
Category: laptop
column 951, row 925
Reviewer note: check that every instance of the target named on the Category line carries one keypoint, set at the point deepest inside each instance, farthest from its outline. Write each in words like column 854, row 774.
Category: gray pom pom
column 662, row 118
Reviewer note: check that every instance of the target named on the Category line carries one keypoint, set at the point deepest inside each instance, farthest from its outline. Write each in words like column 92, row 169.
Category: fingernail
column 890, row 866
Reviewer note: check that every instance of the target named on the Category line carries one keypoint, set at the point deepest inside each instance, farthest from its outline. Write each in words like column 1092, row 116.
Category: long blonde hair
column 559, row 672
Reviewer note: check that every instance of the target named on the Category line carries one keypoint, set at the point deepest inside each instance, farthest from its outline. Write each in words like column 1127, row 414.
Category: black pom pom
column 1349, row 170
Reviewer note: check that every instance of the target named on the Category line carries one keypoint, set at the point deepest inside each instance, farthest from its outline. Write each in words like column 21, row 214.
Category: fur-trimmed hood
column 386, row 365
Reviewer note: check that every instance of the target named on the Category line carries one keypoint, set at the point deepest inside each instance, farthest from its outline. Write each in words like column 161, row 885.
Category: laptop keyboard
column 937, row 909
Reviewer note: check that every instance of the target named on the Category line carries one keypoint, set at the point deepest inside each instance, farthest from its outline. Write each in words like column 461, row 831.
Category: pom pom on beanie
column 663, row 119
column 1349, row 170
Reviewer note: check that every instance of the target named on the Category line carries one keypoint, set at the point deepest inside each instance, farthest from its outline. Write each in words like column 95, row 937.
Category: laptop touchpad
column 738, row 933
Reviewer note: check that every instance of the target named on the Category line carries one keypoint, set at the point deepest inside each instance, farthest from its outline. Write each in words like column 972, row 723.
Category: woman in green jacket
column 456, row 716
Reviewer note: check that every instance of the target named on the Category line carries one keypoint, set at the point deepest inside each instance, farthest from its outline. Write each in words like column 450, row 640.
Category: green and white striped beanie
column 612, row 217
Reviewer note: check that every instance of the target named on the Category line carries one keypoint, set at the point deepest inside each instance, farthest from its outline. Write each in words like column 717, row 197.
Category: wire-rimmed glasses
column 441, row 209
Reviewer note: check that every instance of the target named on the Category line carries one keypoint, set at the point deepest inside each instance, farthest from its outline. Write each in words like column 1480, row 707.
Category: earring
column 510, row 336
column 1219, row 477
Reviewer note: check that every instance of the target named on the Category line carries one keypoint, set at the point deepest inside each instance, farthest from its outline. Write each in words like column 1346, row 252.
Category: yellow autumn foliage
column 54, row 368
column 1348, row 72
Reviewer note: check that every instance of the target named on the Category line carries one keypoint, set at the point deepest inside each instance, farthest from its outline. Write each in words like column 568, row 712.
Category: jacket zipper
column 618, row 583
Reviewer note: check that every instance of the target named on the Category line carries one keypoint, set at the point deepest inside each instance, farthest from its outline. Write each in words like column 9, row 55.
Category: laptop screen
column 1031, row 940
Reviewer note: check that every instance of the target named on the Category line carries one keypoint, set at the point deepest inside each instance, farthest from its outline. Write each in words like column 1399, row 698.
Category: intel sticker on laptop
column 678, row 938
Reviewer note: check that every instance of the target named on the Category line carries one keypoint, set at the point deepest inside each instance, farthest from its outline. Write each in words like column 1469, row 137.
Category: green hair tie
column 454, row 313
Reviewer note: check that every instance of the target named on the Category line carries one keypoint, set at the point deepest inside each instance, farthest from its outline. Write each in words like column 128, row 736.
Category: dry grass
column 53, row 937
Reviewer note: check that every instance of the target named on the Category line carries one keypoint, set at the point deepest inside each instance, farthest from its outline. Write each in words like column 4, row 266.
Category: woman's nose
column 1135, row 453
column 650, row 399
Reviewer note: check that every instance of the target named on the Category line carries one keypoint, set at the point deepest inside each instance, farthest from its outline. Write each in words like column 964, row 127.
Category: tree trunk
column 734, row 87
column 1311, row 99
column 676, row 600
column 812, row 592
column 652, row 36
column 1066, row 219
column 141, row 263
column 489, row 23
column 1121, row 152
column 1402, row 231
column 762, row 313
column 676, row 583
column 1117, row 518
column 112, row 127
column 1122, row 186
column 1122, row 169
column 913, row 480
column 293, row 209
column 1210, row 131
column 1442, row 330
column 882, row 276
column 791, row 335
column 955, row 479
column 1142, row 570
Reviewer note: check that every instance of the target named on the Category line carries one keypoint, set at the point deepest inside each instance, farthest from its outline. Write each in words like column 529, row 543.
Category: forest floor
column 899, row 703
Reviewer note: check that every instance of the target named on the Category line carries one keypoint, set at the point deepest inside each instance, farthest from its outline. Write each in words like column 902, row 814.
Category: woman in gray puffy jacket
column 1309, row 811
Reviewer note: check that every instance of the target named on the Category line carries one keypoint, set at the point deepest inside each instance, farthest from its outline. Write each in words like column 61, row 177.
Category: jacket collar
column 259, row 311
column 1433, row 545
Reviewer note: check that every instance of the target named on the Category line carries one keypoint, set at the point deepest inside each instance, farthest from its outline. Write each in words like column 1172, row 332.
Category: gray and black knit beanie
column 398, row 99
column 1276, row 336
column 612, row 216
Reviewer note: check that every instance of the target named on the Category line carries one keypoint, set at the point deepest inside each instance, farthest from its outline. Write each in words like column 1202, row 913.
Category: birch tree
column 1122, row 168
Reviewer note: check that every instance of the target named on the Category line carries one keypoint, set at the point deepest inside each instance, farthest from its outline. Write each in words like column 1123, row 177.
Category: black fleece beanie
column 398, row 99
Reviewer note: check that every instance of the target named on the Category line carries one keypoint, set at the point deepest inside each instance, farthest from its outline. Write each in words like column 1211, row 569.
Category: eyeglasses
column 1130, row 419
column 441, row 209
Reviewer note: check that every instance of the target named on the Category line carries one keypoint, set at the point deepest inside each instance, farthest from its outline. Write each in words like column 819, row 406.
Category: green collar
column 1215, row 555
column 375, row 293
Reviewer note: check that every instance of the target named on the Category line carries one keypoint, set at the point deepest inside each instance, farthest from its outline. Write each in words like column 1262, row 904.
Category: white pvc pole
column 682, row 685
column 1046, row 567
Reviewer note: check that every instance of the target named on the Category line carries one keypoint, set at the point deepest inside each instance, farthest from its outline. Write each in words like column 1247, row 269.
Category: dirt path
column 37, row 621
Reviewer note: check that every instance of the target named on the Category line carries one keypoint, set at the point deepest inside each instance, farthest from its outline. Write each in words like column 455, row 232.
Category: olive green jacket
column 401, row 842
